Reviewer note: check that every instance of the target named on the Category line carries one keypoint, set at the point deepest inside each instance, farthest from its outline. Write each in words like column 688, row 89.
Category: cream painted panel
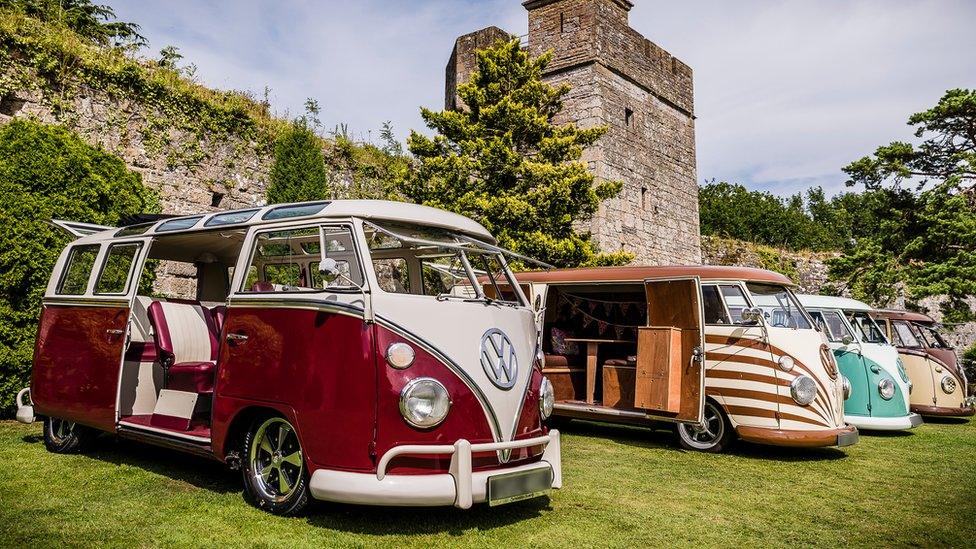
column 455, row 328
column 140, row 385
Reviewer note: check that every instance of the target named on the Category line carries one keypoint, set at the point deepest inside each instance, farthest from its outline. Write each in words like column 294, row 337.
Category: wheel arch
column 242, row 420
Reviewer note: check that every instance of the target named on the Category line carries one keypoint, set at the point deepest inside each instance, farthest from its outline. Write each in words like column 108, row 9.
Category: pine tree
column 503, row 162
column 298, row 173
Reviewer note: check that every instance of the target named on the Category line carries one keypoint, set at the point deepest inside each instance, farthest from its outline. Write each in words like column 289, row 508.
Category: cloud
column 786, row 93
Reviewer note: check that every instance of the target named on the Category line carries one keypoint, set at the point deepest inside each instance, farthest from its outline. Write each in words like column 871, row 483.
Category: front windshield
column 904, row 335
column 866, row 329
column 779, row 305
column 932, row 337
column 832, row 323
column 420, row 260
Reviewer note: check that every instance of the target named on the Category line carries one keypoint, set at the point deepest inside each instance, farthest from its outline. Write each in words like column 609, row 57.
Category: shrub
column 48, row 172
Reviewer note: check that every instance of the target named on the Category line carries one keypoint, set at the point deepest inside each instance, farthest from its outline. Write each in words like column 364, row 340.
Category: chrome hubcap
column 706, row 435
column 61, row 429
column 276, row 459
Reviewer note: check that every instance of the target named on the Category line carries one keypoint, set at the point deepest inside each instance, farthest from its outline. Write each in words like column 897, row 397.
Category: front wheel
column 714, row 436
column 275, row 477
column 67, row 437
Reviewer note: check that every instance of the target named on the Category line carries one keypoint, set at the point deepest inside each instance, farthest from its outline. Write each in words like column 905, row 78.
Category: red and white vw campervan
column 342, row 350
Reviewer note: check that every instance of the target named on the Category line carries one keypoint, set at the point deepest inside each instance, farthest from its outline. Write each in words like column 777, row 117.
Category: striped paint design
column 745, row 374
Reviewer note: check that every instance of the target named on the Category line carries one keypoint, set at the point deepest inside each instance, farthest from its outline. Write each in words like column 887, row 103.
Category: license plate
column 518, row 486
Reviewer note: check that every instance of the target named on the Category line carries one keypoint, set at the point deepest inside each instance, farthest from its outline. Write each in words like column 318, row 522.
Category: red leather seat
column 186, row 338
column 193, row 377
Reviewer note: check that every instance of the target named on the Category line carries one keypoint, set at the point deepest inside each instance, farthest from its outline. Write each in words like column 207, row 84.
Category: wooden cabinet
column 659, row 369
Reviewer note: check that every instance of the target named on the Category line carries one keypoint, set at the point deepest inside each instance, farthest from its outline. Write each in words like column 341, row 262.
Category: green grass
column 623, row 487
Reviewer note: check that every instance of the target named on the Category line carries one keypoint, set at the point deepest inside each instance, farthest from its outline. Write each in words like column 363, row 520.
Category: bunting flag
column 572, row 307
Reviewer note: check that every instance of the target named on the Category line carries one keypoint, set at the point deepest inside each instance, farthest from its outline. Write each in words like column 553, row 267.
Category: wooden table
column 592, row 346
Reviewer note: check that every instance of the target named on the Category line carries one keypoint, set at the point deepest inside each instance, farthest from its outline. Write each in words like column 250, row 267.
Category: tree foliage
column 927, row 243
column 502, row 161
column 94, row 22
column 48, row 172
column 298, row 173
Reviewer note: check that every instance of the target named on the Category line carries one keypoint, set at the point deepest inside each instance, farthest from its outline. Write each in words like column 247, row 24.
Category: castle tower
column 644, row 95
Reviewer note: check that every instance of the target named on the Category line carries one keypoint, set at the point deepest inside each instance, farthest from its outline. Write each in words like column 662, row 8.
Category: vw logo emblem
column 498, row 359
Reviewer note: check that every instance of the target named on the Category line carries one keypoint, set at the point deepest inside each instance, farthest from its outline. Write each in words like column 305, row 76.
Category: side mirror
column 752, row 315
column 847, row 339
column 329, row 268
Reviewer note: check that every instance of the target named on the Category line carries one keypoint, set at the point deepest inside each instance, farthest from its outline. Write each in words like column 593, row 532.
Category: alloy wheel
column 276, row 459
column 703, row 437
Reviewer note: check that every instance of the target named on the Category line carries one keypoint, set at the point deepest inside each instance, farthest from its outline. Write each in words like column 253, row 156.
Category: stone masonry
column 643, row 94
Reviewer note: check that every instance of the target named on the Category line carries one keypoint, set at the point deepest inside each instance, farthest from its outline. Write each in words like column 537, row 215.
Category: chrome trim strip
column 128, row 425
column 85, row 302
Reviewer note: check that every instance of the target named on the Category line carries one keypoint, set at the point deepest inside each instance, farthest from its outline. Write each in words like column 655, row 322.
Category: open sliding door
column 670, row 377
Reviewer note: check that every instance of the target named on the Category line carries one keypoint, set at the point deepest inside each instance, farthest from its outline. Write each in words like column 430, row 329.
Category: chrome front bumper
column 460, row 487
column 868, row 423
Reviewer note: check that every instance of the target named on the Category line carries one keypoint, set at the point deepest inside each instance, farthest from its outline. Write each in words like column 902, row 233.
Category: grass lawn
column 623, row 487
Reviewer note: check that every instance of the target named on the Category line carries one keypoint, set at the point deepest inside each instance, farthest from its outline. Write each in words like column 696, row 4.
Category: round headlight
column 424, row 402
column 786, row 362
column 948, row 384
column 902, row 371
column 399, row 355
column 547, row 398
column 887, row 388
column 847, row 388
column 804, row 390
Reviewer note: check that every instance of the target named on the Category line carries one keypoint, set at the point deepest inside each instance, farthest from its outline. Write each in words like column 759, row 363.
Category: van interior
column 624, row 348
column 169, row 368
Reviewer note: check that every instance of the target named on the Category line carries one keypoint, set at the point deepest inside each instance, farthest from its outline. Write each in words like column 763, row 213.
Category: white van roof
column 831, row 302
column 381, row 210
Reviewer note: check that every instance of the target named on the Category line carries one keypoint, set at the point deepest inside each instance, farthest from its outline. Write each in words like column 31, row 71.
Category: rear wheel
column 274, row 472
column 714, row 435
column 67, row 437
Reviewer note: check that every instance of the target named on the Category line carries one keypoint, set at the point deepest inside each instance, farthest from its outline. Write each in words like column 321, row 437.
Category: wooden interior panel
column 691, row 375
column 658, row 373
column 668, row 381
column 567, row 383
column 672, row 303
column 618, row 385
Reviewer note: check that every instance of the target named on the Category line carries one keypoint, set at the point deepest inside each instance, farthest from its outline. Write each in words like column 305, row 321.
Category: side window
column 392, row 275
column 116, row 272
column 714, row 308
column 74, row 278
column 735, row 300
column 287, row 260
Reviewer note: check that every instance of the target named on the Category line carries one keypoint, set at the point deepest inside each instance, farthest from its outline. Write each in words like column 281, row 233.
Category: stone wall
column 190, row 174
column 644, row 95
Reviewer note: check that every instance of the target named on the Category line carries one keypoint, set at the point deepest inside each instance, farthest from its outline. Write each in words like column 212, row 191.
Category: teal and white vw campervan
column 876, row 384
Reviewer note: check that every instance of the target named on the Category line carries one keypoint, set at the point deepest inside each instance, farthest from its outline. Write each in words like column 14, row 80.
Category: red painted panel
column 316, row 364
column 466, row 418
column 76, row 363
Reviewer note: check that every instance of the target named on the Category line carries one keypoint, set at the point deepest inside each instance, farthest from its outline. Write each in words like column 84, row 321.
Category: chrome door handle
column 236, row 337
column 114, row 332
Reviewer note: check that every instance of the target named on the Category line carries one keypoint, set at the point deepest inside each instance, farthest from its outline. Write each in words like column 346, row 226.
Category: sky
column 786, row 92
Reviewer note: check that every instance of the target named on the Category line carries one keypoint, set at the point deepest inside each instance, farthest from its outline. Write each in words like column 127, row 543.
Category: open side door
column 670, row 377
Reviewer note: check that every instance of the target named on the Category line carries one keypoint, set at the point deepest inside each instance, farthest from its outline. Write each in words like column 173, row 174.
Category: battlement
column 643, row 94
column 598, row 31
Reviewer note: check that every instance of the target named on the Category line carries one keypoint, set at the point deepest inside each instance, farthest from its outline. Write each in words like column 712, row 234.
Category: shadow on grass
column 661, row 437
column 214, row 476
column 400, row 521
column 886, row 434
column 943, row 420
column 194, row 470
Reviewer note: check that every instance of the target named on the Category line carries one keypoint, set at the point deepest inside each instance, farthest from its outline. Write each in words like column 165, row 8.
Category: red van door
column 82, row 335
